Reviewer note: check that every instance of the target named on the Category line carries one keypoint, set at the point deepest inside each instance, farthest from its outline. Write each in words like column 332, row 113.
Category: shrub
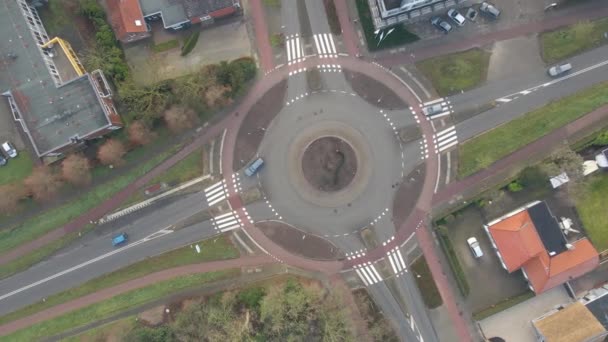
column 601, row 139
column 515, row 186
column 190, row 42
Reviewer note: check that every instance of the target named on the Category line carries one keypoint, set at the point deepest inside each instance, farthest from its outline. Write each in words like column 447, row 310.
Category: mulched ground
column 329, row 164
column 261, row 114
column 373, row 91
column 300, row 243
column 407, row 195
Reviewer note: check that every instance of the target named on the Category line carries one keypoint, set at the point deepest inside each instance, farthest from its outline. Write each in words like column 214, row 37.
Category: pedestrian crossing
column 295, row 51
column 326, row 48
column 368, row 273
column 445, row 139
column 329, row 67
column 356, row 254
column 226, row 222
column 437, row 108
column 216, row 192
column 396, row 260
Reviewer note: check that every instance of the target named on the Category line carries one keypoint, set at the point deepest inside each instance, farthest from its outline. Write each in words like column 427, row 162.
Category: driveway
column 514, row 324
column 489, row 282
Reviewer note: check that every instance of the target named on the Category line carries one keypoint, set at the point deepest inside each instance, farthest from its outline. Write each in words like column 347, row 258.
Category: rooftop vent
column 137, row 22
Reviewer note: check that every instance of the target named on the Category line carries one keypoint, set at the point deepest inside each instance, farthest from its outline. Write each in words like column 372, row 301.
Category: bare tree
column 111, row 153
column 76, row 169
column 140, row 133
column 180, row 118
column 10, row 195
column 43, row 183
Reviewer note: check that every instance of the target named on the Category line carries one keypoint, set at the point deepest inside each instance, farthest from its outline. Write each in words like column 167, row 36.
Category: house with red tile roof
column 530, row 239
column 129, row 18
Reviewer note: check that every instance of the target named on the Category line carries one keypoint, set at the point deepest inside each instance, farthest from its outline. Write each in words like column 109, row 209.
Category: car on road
column 120, row 239
column 441, row 24
column 560, row 69
column 432, row 109
column 456, row 17
column 475, row 247
column 489, row 9
column 254, row 167
column 9, row 149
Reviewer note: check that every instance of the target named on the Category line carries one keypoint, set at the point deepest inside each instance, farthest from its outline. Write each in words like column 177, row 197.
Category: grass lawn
column 115, row 305
column 482, row 151
column 563, row 43
column 457, row 71
column 398, row 36
column 426, row 283
column 16, row 169
column 502, row 305
column 218, row 248
column 57, row 217
column 185, row 170
column 592, row 210
column 166, row 46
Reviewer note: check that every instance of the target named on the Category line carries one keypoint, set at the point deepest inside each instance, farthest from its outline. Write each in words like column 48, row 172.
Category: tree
column 179, row 118
column 111, row 152
column 76, row 169
column 10, row 195
column 565, row 160
column 217, row 95
column 140, row 133
column 147, row 102
column 43, row 183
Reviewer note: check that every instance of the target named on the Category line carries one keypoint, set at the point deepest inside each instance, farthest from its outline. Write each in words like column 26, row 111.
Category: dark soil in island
column 254, row 126
column 329, row 164
column 298, row 242
column 374, row 92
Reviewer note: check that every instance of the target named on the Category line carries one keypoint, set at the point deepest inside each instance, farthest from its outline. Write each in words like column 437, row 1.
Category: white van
column 558, row 70
column 9, row 149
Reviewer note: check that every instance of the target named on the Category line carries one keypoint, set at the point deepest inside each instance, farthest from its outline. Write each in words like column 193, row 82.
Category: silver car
column 9, row 149
column 475, row 247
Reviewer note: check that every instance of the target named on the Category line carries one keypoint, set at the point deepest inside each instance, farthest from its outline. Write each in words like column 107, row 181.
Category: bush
column 533, row 177
column 190, row 42
column 515, row 186
column 601, row 139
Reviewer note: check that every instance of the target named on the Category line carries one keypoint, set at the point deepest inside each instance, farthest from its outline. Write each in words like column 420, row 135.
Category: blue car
column 120, row 239
column 254, row 167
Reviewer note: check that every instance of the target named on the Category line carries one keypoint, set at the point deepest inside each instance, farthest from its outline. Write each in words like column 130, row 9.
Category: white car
column 475, row 248
column 456, row 17
column 9, row 149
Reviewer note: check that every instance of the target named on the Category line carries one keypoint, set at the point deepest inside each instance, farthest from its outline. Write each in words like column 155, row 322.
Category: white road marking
column 152, row 236
column 227, row 222
column 216, row 192
column 433, row 102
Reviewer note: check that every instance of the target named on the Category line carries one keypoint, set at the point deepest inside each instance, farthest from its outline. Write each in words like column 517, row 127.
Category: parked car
column 490, row 10
column 2, row 160
column 432, row 109
column 120, row 239
column 475, row 248
column 254, row 167
column 441, row 24
column 9, row 149
column 558, row 70
column 456, row 17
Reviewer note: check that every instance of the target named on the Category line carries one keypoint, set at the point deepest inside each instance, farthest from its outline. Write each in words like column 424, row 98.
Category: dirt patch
column 374, row 92
column 259, row 117
column 153, row 317
column 298, row 242
column 329, row 164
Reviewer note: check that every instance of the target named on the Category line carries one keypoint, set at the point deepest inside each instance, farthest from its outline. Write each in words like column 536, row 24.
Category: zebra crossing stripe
column 433, row 102
column 390, row 258
column 447, row 130
column 398, row 253
column 363, row 277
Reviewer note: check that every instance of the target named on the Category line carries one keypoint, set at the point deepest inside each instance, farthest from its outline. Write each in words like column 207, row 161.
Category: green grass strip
column 456, row 72
column 572, row 40
column 115, row 305
column 166, row 46
column 482, row 151
column 448, row 249
column 502, row 305
column 16, row 169
column 426, row 283
column 211, row 249
column 592, row 210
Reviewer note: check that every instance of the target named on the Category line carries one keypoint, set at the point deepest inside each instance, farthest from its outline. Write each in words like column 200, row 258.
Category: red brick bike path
column 130, row 285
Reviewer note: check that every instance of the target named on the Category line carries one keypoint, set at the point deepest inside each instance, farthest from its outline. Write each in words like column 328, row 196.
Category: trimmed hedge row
column 190, row 42
column 448, row 248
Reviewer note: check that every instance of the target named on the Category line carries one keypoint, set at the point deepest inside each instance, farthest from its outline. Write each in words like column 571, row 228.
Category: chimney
column 569, row 246
column 552, row 253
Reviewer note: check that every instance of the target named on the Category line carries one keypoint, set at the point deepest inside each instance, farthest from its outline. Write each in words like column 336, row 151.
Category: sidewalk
column 134, row 284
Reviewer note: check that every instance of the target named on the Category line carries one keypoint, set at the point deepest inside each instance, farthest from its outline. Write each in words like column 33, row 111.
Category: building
column 386, row 13
column 530, row 239
column 57, row 103
column 130, row 18
column 571, row 323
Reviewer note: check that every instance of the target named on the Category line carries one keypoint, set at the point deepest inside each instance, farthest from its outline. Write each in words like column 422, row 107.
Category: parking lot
column 489, row 282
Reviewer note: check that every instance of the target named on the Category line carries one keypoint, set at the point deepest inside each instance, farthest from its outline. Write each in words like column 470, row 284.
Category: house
column 530, row 239
column 386, row 13
column 130, row 18
column 57, row 103
column 570, row 323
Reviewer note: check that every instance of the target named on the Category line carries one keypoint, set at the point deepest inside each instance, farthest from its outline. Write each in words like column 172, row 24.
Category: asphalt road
column 93, row 254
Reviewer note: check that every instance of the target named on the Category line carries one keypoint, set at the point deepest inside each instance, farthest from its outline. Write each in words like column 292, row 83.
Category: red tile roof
column 520, row 246
column 125, row 15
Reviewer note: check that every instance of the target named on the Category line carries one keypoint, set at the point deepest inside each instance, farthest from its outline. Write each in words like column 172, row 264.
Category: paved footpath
column 131, row 285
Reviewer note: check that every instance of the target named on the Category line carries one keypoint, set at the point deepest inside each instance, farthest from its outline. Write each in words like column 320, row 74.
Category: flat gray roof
column 51, row 114
column 173, row 11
